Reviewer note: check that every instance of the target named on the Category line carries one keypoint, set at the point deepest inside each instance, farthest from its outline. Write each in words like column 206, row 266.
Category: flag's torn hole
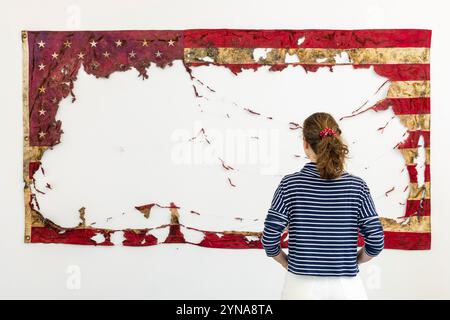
column 129, row 143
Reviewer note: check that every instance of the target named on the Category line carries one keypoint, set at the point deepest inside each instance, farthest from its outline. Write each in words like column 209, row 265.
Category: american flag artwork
column 52, row 60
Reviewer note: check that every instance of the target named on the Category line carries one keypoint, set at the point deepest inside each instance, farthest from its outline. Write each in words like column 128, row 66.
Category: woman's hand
column 281, row 258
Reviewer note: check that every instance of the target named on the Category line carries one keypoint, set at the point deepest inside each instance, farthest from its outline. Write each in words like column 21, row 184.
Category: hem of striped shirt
column 316, row 274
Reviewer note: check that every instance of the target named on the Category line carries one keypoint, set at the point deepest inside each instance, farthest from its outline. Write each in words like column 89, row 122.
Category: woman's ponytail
column 322, row 133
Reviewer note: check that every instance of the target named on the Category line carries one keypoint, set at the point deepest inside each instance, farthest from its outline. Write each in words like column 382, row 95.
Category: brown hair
column 331, row 152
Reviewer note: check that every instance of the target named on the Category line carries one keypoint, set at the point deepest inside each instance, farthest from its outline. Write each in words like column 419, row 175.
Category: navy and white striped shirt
column 323, row 217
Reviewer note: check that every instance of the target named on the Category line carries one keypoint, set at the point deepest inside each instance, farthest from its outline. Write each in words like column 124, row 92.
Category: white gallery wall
column 186, row 271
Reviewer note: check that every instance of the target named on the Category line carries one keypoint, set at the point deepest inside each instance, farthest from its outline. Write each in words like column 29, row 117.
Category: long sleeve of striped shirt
column 275, row 223
column 369, row 224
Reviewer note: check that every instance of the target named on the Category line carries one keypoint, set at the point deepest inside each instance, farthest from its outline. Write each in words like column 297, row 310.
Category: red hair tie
column 327, row 132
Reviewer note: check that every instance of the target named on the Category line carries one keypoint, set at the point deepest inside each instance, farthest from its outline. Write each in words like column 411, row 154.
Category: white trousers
column 303, row 287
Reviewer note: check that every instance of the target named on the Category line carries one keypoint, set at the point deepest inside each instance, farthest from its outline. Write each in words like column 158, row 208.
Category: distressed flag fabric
column 52, row 60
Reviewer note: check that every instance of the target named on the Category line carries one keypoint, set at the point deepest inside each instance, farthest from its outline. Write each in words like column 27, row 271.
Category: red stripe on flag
column 229, row 241
column 419, row 207
column 33, row 166
column 393, row 240
column 69, row 236
column 138, row 238
column 404, row 240
column 412, row 172
column 411, row 141
column 426, row 138
column 344, row 39
column 405, row 105
column 427, row 173
column 403, row 72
